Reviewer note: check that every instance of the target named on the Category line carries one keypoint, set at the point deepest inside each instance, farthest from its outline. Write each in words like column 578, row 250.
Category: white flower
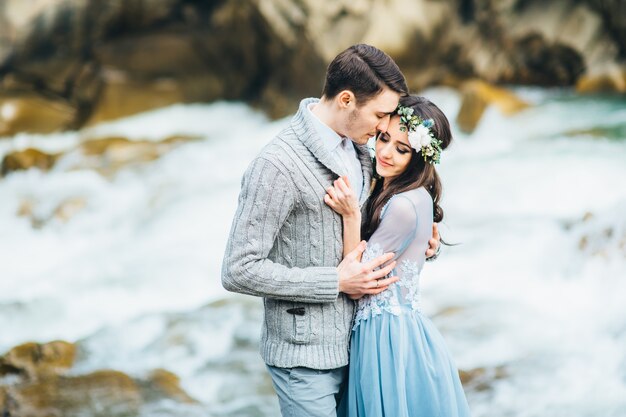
column 414, row 140
column 420, row 137
column 425, row 140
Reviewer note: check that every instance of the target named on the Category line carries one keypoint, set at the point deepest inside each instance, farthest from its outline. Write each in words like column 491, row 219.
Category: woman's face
column 393, row 151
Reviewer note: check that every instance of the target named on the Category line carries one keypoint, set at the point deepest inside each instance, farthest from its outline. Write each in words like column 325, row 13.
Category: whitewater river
column 533, row 297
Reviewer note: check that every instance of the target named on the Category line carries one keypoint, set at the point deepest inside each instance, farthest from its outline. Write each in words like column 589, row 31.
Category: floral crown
column 420, row 136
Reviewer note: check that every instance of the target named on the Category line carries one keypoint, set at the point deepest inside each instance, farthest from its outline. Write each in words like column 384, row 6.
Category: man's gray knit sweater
column 285, row 244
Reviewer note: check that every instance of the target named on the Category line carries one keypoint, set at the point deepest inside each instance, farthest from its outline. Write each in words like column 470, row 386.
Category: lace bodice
column 405, row 228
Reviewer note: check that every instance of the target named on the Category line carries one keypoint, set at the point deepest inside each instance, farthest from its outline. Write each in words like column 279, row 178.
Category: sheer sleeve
column 405, row 227
column 397, row 229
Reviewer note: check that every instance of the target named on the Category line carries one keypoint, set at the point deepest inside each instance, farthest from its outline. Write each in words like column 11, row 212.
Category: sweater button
column 299, row 311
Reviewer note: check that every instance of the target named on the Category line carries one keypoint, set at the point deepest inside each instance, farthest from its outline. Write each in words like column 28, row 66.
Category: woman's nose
column 385, row 151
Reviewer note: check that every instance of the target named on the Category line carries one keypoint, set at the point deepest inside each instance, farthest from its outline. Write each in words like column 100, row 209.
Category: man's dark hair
column 364, row 70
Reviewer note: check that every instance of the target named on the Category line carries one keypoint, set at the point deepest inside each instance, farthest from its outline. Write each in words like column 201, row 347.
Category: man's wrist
column 339, row 281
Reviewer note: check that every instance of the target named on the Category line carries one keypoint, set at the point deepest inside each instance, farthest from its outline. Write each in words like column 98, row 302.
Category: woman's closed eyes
column 400, row 150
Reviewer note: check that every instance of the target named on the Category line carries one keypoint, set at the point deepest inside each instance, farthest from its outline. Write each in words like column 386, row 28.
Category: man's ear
column 346, row 99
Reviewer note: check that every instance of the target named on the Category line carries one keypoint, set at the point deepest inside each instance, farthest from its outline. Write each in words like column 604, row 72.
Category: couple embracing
column 335, row 243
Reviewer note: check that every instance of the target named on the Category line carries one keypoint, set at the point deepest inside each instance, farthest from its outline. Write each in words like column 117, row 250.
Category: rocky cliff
column 66, row 63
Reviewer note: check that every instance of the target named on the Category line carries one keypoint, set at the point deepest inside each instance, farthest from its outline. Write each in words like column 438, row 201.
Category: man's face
column 365, row 121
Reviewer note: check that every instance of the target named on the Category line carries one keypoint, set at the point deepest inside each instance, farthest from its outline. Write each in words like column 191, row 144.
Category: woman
column 399, row 363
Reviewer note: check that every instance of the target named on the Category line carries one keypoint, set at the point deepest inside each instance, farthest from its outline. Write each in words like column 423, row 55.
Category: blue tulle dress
column 399, row 363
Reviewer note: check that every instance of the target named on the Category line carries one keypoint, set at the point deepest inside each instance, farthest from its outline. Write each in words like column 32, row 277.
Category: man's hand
column 357, row 280
column 434, row 242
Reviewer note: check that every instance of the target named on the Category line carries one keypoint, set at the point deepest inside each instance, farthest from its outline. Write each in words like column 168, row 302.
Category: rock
column 160, row 53
column 482, row 379
column 69, row 208
column 601, row 235
column 610, row 81
column 614, row 132
column 104, row 393
column 449, row 311
column 32, row 113
column 121, row 97
column 26, row 159
column 110, row 154
column 4, row 401
column 107, row 155
column 477, row 95
column 614, row 20
column 164, row 384
column 34, row 360
column 473, row 106
column 538, row 61
column 111, row 145
column 99, row 394
column 63, row 211
column 273, row 53
column 26, row 208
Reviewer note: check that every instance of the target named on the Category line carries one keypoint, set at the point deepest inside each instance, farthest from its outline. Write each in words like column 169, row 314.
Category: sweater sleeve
column 266, row 200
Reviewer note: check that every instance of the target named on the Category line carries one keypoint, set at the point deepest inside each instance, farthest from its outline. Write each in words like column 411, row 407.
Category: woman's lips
column 383, row 163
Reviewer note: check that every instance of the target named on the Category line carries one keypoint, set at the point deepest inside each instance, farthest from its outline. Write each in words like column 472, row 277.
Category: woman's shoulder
column 415, row 195
column 407, row 202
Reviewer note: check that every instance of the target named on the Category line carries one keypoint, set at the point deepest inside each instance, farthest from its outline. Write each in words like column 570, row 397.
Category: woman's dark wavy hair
column 418, row 173
column 365, row 70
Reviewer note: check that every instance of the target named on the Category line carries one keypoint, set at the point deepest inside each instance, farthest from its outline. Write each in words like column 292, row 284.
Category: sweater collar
column 306, row 132
column 304, row 128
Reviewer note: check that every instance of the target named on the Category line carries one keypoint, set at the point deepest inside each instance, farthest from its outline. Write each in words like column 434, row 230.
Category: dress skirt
column 400, row 366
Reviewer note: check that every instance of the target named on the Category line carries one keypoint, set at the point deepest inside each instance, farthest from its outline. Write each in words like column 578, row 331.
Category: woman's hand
column 342, row 198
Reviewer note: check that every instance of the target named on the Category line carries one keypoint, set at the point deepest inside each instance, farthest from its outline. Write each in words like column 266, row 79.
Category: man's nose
column 383, row 124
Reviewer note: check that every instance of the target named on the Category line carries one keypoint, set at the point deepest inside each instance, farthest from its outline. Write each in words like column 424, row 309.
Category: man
column 285, row 243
